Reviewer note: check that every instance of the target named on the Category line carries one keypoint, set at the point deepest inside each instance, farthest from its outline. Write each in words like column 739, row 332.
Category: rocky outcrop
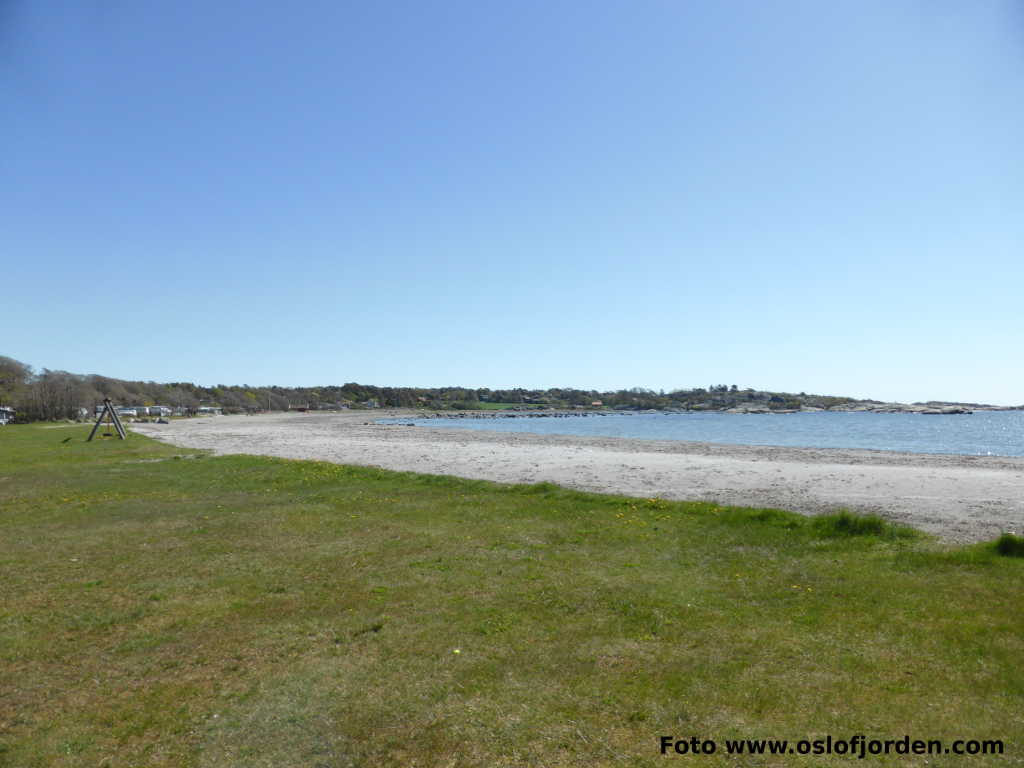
column 751, row 409
column 929, row 408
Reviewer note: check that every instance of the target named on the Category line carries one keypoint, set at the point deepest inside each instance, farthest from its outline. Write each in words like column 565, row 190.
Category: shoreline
column 959, row 498
column 740, row 410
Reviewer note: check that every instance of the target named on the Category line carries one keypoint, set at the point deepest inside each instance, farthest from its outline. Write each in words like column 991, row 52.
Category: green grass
column 162, row 608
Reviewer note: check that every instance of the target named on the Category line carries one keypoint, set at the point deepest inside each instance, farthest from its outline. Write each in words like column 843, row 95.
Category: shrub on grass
column 848, row 524
column 1010, row 545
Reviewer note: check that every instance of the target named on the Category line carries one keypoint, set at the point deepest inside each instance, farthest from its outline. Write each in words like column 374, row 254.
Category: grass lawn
column 160, row 608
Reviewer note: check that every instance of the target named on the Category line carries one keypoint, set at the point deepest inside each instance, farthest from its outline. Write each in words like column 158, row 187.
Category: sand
column 958, row 498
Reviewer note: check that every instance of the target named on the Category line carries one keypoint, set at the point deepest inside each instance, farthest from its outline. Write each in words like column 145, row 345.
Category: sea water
column 983, row 433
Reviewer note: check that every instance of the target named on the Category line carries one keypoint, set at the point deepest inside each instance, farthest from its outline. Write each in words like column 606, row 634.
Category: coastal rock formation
column 752, row 409
column 942, row 409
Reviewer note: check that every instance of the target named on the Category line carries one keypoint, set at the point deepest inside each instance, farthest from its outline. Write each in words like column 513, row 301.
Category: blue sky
column 826, row 197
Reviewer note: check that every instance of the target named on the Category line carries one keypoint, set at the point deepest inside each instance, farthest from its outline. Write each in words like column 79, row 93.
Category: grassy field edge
column 167, row 607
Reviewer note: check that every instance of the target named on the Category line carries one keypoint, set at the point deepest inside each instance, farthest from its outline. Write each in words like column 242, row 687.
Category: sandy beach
column 959, row 498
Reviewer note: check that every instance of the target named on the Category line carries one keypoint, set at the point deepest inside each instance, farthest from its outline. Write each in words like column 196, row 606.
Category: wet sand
column 959, row 498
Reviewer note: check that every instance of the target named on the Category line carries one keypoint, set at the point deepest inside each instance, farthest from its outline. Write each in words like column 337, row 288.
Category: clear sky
column 816, row 196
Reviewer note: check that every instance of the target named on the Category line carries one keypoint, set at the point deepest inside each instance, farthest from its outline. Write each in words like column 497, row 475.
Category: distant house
column 597, row 404
column 6, row 415
column 210, row 410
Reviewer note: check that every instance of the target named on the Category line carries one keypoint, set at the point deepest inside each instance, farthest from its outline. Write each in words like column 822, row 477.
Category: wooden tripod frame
column 110, row 413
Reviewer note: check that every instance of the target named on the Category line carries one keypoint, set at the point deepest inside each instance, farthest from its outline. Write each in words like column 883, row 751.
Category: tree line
column 53, row 395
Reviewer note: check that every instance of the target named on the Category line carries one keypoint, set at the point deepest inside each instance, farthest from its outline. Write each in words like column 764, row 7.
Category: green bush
column 1010, row 545
column 848, row 524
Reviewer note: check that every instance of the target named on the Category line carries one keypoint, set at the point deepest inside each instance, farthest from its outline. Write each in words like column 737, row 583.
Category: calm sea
column 984, row 433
